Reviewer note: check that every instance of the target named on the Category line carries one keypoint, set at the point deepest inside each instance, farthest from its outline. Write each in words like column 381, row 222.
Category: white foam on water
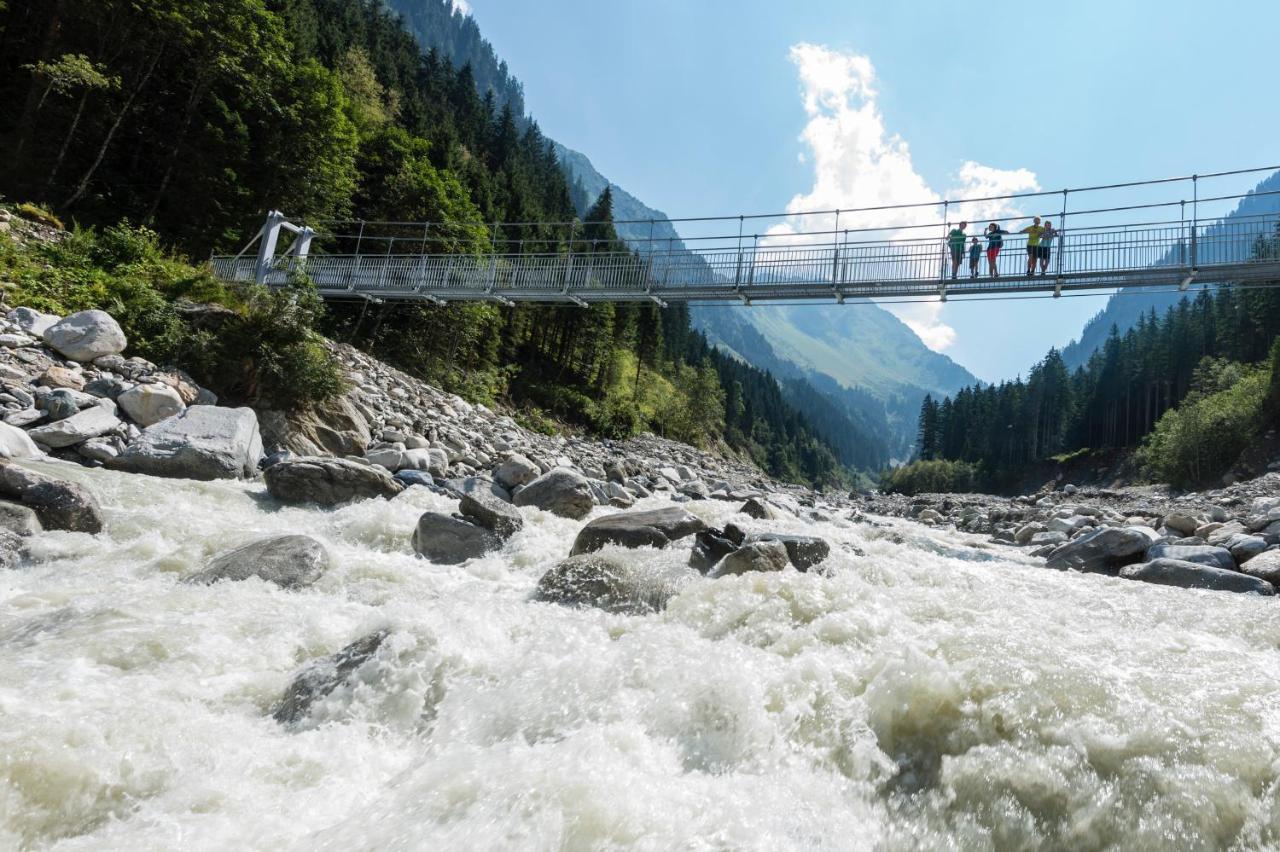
column 935, row 692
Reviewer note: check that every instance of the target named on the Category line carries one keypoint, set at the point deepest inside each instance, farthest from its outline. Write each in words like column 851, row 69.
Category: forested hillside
column 1128, row 394
column 196, row 117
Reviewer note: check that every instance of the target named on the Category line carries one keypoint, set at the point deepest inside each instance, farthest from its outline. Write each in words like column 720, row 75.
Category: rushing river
column 934, row 692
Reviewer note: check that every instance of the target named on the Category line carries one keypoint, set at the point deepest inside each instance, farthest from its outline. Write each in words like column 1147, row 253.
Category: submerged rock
column 289, row 561
column 561, row 491
column 321, row 677
column 328, row 482
column 653, row 528
column 451, row 539
column 204, row 442
column 1192, row 575
column 594, row 580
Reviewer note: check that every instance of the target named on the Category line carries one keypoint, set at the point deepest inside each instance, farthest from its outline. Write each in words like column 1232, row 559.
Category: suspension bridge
column 897, row 251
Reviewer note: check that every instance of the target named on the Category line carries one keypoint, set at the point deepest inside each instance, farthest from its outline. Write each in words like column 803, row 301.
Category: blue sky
column 699, row 108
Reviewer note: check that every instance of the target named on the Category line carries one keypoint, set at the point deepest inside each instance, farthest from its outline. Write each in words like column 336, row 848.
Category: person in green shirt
column 1033, row 232
column 955, row 240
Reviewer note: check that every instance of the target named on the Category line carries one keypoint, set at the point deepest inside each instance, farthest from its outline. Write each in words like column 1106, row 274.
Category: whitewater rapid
column 934, row 692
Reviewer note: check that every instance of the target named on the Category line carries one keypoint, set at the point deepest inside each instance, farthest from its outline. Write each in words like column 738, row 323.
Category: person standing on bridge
column 1033, row 232
column 956, row 239
column 975, row 253
column 1046, row 244
column 995, row 242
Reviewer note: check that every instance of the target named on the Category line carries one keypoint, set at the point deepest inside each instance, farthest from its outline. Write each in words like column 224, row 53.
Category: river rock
column 1245, row 547
column 289, row 561
column 62, row 377
column 78, row 428
column 762, row 556
column 328, row 481
column 1264, row 566
column 19, row 519
column 59, row 504
column 433, row 461
column 709, row 547
column 86, row 335
column 561, row 491
column 1054, row 537
column 1103, row 549
column 803, row 551
column 591, row 579
column 760, row 510
column 653, row 528
column 321, row 677
column 60, row 405
column 16, row 444
column 148, row 404
column 32, row 321
column 108, row 387
column 1192, row 575
column 1199, row 554
column 12, row 548
column 487, row 508
column 1182, row 523
column 203, row 442
column 1025, row 533
column 450, row 539
column 516, row 470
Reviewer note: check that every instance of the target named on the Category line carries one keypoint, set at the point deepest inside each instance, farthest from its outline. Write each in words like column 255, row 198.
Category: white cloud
column 858, row 162
column 462, row 7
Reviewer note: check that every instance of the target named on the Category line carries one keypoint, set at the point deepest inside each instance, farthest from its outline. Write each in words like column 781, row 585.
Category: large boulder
column 203, row 442
column 515, row 470
column 654, row 528
column 321, row 677
column 560, row 491
column 1264, row 566
column 60, row 505
column 327, row 481
column 93, row 421
column 1245, row 547
column 481, row 501
column 1200, row 554
column 803, row 551
column 765, row 556
column 332, row 427
column 594, row 580
column 709, row 547
column 16, row 444
column 150, row 403
column 86, row 335
column 32, row 321
column 450, row 539
column 289, row 561
column 1191, row 575
column 1102, row 550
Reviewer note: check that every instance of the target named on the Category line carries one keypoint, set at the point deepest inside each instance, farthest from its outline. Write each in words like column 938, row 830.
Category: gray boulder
column 32, row 321
column 762, row 556
column 803, row 551
column 450, row 539
column 204, row 442
column 760, row 510
column 1199, row 554
column 289, row 561
column 488, row 509
column 60, row 405
column 1264, row 566
column 19, row 519
column 1101, row 550
column 709, row 547
column 108, row 387
column 86, row 335
column 653, row 528
column 327, row 481
column 561, row 491
column 78, row 428
column 515, row 470
column 148, row 404
column 16, row 444
column 12, row 548
column 1182, row 523
column 321, row 677
column 1245, row 547
column 59, row 505
column 593, row 580
column 1191, row 575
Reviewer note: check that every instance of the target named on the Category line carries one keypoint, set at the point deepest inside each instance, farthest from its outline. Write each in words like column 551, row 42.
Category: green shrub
column 1200, row 439
column 616, row 418
column 932, row 476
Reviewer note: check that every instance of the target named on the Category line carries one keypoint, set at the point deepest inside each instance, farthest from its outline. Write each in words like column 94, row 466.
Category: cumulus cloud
column 858, row 162
column 462, row 7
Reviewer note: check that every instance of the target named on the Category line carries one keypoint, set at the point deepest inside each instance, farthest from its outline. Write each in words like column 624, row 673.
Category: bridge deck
column 1173, row 254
